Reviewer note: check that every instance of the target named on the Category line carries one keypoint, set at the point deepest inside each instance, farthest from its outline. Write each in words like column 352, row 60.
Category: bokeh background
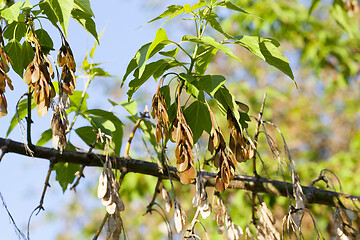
column 319, row 119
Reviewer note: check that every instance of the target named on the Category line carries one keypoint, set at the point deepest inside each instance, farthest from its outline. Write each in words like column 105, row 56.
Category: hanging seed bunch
column 4, row 79
column 108, row 189
column 59, row 123
column 158, row 110
column 38, row 76
column 238, row 144
column 200, row 199
column 65, row 60
column 179, row 215
column 223, row 158
column 183, row 136
column 223, row 219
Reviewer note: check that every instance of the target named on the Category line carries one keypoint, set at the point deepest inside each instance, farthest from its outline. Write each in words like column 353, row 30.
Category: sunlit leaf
column 85, row 20
column 46, row 136
column 62, row 9
column 171, row 9
column 102, row 119
column 12, row 13
column 159, row 38
column 227, row 4
column 267, row 49
column 206, row 55
column 211, row 42
column 85, row 6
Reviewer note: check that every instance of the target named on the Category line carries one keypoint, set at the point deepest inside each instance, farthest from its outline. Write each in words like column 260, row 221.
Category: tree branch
column 259, row 184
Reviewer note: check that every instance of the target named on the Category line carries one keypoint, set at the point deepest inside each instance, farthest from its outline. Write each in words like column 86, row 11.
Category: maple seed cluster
column 38, row 76
column 223, row 158
column 4, row 68
column 183, row 136
column 238, row 144
column 108, row 190
column 59, row 123
column 65, row 60
column 158, row 110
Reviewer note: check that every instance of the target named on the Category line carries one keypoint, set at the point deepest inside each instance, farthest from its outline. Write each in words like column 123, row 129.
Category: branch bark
column 253, row 184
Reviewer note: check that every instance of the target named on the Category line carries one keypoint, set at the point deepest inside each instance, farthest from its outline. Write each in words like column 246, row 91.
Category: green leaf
column 99, row 72
column 147, row 127
column 27, row 53
column 62, row 9
column 171, row 53
column 205, row 56
column 45, row 40
column 75, row 101
column 27, row 5
column 135, row 61
column 15, row 30
column 314, row 4
column 12, row 13
column 267, row 49
column 211, row 42
column 13, row 49
column 85, row 20
column 226, row 100
column 165, row 92
column 131, row 107
column 159, row 38
column 151, row 69
column 171, row 10
column 22, row 112
column 46, row 136
column 341, row 17
column 65, row 173
column 196, row 6
column 114, row 129
column 84, row 5
column 198, row 117
column 49, row 12
column 227, row 4
column 211, row 83
column 88, row 135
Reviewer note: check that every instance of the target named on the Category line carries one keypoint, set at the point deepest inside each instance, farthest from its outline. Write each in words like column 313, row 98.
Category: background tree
column 183, row 119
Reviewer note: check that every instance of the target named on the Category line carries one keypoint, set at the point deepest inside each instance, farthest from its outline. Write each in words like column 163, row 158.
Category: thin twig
column 101, row 226
column 257, row 134
column 26, row 146
column 156, row 192
column 18, row 231
column 46, row 185
column 40, row 207
column 137, row 124
column 253, row 199
column 28, row 119
column 3, row 153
